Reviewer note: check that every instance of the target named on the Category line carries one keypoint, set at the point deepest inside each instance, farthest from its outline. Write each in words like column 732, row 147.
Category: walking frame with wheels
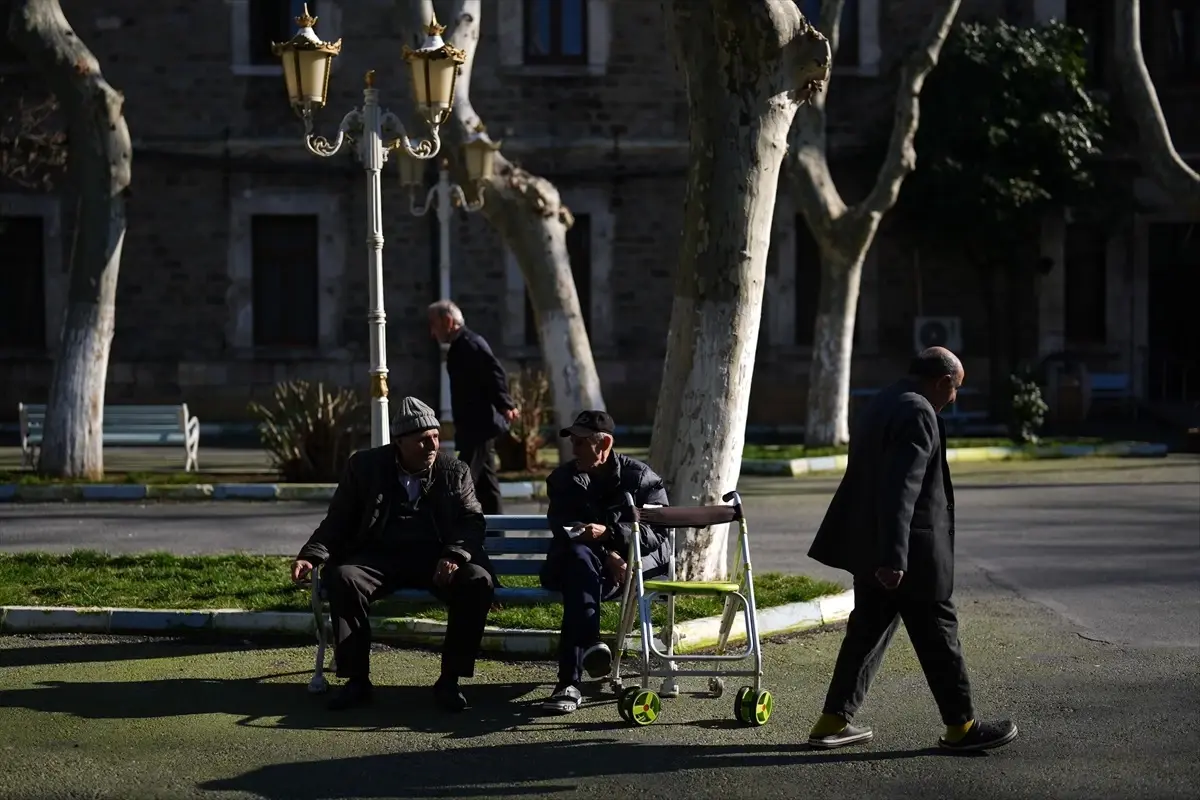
column 640, row 705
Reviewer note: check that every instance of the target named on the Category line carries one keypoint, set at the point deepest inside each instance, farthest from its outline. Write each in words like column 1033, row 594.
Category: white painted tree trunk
column 100, row 157
column 845, row 233
column 748, row 65
column 528, row 213
column 833, row 344
column 1155, row 149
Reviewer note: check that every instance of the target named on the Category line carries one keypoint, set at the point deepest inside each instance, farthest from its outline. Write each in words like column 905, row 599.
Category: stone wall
column 215, row 143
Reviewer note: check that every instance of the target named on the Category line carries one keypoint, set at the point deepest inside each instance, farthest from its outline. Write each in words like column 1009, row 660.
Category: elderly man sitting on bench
column 404, row 516
column 586, row 560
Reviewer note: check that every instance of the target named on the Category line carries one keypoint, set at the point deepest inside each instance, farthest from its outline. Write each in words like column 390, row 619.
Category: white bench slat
column 125, row 425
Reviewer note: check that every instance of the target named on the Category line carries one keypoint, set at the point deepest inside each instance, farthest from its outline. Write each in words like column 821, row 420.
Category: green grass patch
column 787, row 452
column 261, row 583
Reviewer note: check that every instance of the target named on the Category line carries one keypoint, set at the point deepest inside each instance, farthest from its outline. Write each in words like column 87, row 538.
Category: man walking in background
column 479, row 399
column 891, row 525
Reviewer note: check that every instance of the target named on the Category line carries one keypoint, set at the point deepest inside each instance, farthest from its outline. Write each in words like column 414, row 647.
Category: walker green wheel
column 759, row 711
column 625, row 702
column 643, row 707
column 741, row 702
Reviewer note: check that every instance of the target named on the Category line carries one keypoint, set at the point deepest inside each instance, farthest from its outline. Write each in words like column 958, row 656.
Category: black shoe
column 983, row 736
column 448, row 697
column 844, row 738
column 356, row 692
column 597, row 661
column 565, row 699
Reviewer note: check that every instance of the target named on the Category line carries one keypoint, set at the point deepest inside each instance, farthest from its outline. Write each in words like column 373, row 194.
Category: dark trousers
column 933, row 628
column 480, row 457
column 354, row 584
column 577, row 571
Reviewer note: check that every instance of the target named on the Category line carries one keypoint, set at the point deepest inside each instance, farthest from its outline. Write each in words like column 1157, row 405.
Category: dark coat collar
column 584, row 479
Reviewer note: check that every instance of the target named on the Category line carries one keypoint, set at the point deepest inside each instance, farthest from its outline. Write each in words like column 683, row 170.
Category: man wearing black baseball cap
column 589, row 423
column 586, row 561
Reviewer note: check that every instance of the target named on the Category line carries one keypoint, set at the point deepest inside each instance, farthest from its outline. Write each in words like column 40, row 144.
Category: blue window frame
column 555, row 31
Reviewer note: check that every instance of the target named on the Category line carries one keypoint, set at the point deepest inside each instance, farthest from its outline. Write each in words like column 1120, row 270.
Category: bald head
column 935, row 362
column 940, row 373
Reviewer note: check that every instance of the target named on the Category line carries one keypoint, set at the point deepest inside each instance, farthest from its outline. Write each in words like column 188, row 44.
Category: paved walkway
column 102, row 718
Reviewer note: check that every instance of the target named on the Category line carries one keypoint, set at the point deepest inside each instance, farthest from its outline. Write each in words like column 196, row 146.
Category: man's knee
column 473, row 578
column 345, row 579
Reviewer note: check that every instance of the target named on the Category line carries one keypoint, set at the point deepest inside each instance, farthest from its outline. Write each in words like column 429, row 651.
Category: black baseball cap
column 589, row 422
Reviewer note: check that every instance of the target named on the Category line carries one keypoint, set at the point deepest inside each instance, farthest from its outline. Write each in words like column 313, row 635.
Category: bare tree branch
column 901, row 157
column 33, row 148
column 1156, row 151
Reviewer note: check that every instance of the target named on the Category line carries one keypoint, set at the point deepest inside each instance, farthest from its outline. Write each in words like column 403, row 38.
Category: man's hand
column 512, row 414
column 301, row 569
column 616, row 567
column 889, row 578
column 446, row 568
column 592, row 532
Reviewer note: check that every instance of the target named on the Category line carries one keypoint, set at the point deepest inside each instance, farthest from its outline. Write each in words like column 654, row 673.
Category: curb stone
column 692, row 635
column 516, row 490
column 803, row 466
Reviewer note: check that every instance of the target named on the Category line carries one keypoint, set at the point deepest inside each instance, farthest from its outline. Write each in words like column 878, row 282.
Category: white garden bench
column 129, row 426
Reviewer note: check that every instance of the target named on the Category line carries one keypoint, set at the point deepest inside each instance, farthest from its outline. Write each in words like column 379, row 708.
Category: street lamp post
column 479, row 153
column 306, row 66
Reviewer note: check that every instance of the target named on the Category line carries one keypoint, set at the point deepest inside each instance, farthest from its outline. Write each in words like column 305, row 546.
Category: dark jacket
column 478, row 389
column 361, row 504
column 895, row 505
column 575, row 497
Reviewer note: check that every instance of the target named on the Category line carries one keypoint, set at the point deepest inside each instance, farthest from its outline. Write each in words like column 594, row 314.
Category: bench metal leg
column 318, row 683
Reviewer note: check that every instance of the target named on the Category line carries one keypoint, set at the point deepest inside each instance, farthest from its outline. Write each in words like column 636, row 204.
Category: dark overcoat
column 895, row 505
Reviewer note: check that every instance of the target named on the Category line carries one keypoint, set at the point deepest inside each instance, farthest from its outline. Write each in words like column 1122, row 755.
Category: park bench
column 511, row 555
column 145, row 426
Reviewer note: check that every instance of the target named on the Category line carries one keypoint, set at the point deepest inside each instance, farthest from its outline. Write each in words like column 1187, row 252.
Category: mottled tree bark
column 99, row 158
column 1155, row 150
column 528, row 213
column 843, row 233
column 749, row 64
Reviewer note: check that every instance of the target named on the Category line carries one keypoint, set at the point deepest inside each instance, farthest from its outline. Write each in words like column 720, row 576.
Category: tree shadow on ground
column 264, row 703
column 55, row 649
column 499, row 770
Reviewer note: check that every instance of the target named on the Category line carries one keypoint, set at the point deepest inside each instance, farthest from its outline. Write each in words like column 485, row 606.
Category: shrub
column 531, row 392
column 309, row 431
column 1028, row 409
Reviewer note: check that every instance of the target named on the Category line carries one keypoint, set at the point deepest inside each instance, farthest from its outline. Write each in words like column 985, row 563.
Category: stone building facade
column 245, row 261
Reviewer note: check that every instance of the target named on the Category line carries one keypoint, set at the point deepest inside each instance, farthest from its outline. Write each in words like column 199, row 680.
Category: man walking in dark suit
column 891, row 525
column 479, row 399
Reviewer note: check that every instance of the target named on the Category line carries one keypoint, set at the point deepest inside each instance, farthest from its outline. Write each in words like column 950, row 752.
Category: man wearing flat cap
column 404, row 516
column 586, row 561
